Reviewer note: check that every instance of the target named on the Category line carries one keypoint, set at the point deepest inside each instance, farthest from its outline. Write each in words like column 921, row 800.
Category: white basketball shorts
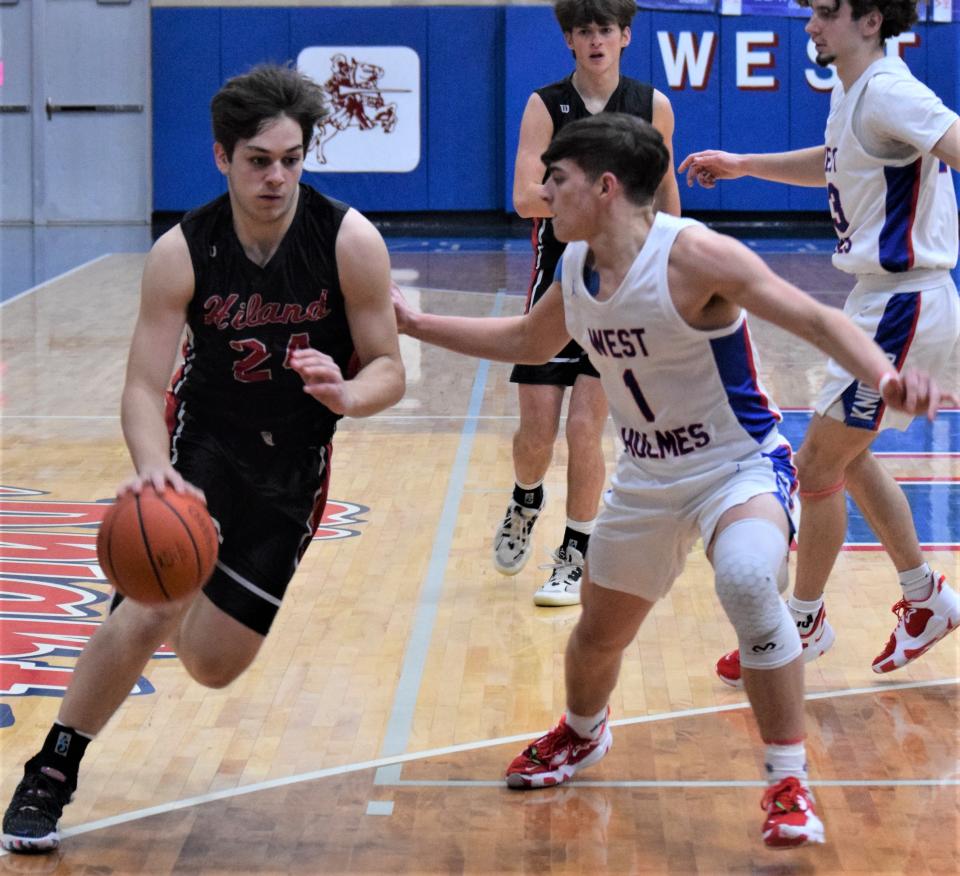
column 915, row 318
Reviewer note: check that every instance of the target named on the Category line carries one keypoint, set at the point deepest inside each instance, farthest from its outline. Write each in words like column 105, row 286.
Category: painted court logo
column 373, row 96
column 54, row 595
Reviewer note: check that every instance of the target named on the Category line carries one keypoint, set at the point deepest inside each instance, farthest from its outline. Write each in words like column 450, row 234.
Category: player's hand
column 915, row 392
column 404, row 312
column 708, row 166
column 159, row 477
column 323, row 379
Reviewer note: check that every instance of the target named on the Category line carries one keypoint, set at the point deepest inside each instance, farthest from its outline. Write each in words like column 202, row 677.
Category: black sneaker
column 30, row 822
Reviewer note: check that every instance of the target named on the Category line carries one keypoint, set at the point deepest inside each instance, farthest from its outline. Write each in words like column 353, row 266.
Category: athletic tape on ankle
column 821, row 494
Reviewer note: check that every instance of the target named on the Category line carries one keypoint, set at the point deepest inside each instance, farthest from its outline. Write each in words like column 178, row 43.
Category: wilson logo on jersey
column 54, row 595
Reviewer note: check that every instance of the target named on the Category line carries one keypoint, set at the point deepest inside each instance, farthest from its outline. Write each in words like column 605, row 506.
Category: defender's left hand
column 915, row 392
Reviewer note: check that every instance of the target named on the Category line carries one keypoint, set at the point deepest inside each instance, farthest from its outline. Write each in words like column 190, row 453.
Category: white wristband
column 886, row 378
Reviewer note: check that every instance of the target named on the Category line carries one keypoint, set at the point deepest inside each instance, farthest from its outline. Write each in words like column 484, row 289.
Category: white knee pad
column 749, row 562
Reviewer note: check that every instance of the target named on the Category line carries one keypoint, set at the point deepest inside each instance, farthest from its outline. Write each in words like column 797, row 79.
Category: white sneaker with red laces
column 816, row 636
column 791, row 817
column 556, row 757
column 920, row 625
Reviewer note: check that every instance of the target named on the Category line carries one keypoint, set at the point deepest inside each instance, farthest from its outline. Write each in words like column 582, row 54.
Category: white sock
column 88, row 736
column 587, row 726
column 584, row 526
column 917, row 583
column 786, row 760
column 801, row 609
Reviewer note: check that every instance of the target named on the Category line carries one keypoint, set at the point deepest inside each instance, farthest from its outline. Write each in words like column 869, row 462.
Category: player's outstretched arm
column 799, row 167
column 165, row 291
column 364, row 268
column 530, row 339
column 709, row 261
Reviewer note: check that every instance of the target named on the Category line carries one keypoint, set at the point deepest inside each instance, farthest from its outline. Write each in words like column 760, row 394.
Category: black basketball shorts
column 562, row 370
column 267, row 500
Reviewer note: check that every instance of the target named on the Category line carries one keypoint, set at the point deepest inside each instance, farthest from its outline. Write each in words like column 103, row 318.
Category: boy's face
column 834, row 31
column 265, row 170
column 573, row 200
column 597, row 47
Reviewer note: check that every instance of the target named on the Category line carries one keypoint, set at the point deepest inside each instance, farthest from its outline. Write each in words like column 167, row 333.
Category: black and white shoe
column 30, row 822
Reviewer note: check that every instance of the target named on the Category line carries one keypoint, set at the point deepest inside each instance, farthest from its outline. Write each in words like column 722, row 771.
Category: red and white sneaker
column 556, row 756
column 816, row 640
column 920, row 626
column 791, row 818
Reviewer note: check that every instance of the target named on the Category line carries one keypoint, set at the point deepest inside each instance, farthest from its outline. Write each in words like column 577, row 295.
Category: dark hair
column 245, row 103
column 898, row 15
column 578, row 13
column 624, row 145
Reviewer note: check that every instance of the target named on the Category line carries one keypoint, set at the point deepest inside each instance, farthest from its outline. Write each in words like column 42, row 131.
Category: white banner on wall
column 373, row 94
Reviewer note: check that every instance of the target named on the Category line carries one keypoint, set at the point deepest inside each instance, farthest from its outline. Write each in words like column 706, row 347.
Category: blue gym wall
column 478, row 66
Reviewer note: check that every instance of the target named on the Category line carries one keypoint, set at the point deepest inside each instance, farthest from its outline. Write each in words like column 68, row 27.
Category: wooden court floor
column 403, row 673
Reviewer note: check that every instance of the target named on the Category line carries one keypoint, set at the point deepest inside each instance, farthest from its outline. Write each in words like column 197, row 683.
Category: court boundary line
column 345, row 769
column 4, row 302
column 416, row 651
column 692, row 783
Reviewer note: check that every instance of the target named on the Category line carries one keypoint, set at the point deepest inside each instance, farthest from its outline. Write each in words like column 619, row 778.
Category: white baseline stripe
column 46, row 283
column 229, row 793
column 674, row 783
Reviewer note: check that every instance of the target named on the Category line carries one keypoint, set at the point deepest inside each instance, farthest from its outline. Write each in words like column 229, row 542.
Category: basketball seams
column 157, row 548
column 149, row 549
column 189, row 532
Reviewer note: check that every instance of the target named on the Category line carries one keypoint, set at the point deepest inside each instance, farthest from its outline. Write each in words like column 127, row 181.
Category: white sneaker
column 563, row 585
column 511, row 543
column 920, row 625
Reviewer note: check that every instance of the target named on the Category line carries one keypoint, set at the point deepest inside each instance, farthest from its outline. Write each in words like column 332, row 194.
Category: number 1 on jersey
column 635, row 391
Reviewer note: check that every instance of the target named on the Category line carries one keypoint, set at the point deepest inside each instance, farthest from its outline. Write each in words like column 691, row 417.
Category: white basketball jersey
column 684, row 401
column 892, row 214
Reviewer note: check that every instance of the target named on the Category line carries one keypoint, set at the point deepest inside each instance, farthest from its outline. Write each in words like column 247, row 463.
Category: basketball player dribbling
column 659, row 304
column 895, row 213
column 285, row 296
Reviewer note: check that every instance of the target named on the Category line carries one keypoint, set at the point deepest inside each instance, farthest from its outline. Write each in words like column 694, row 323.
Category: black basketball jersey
column 565, row 105
column 244, row 320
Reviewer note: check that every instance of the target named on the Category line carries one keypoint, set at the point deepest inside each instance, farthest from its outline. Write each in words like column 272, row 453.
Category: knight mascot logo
column 373, row 96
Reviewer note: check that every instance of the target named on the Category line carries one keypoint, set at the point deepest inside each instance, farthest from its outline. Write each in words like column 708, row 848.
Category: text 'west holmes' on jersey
column 684, row 400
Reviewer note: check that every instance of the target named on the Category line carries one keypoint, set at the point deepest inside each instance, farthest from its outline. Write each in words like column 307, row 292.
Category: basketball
column 157, row 548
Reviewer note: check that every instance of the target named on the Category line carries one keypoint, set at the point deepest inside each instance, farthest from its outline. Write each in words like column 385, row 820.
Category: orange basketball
column 156, row 547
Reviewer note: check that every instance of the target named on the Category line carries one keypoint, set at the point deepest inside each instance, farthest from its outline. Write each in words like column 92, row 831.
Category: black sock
column 574, row 539
column 528, row 498
column 62, row 750
column 117, row 599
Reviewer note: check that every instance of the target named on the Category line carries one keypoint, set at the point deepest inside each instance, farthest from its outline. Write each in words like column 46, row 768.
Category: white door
column 16, row 122
column 89, row 131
